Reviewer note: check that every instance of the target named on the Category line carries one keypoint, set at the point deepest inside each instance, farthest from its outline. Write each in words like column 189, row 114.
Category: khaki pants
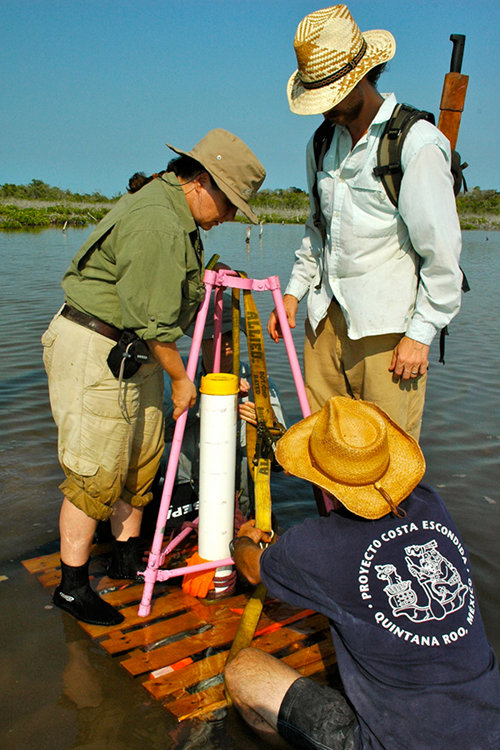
column 108, row 450
column 336, row 365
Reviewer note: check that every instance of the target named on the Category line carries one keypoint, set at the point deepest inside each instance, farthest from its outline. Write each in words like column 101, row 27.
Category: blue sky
column 91, row 91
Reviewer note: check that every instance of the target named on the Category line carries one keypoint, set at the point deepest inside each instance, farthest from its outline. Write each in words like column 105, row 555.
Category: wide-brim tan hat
column 234, row 167
column 353, row 450
column 332, row 57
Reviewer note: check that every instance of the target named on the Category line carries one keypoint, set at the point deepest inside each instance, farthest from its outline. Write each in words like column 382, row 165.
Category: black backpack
column 388, row 168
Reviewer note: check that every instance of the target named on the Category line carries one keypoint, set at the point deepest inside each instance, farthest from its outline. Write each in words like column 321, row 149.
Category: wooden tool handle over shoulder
column 453, row 95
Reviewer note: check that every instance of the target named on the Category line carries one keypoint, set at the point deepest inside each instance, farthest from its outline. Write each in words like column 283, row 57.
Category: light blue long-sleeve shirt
column 391, row 269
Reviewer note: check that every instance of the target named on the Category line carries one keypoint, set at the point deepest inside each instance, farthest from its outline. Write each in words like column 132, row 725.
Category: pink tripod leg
column 154, row 561
column 295, row 367
column 292, row 354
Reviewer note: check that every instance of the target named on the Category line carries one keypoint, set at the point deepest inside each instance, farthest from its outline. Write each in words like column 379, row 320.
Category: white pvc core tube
column 218, row 420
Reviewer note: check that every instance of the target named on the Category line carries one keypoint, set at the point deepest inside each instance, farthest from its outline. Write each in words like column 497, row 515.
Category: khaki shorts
column 108, row 450
column 336, row 365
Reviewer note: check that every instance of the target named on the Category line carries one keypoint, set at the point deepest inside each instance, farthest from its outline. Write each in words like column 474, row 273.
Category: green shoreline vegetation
column 41, row 206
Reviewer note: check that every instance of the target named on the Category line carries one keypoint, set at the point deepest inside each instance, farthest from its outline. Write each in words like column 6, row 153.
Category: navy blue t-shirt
column 410, row 643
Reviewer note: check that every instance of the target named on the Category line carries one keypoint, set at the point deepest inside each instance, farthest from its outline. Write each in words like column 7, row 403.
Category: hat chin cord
column 399, row 513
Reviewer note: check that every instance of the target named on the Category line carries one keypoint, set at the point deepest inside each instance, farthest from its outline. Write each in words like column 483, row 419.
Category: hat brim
column 233, row 196
column 380, row 48
column 405, row 469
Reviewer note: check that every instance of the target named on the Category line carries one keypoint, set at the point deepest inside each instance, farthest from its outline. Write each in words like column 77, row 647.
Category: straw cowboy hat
column 353, row 450
column 333, row 56
column 234, row 167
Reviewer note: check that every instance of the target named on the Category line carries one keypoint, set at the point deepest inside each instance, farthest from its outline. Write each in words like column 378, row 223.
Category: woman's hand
column 183, row 389
column 183, row 395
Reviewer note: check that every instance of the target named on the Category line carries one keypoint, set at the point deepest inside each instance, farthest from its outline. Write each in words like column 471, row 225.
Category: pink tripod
column 217, row 280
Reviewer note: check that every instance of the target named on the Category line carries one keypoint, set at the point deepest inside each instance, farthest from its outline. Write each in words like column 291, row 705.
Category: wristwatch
column 232, row 543
column 262, row 545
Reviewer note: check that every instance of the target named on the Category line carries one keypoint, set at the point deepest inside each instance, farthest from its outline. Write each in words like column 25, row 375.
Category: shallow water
column 59, row 689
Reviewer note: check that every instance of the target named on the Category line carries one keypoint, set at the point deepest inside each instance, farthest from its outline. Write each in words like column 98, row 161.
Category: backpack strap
column 444, row 331
column 321, row 143
column 457, row 172
column 391, row 146
column 390, row 171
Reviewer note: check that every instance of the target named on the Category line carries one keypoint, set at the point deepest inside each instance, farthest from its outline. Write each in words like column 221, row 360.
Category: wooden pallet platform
column 178, row 652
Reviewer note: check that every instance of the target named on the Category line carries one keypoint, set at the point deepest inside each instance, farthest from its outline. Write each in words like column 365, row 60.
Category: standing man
column 385, row 279
column 390, row 572
column 132, row 288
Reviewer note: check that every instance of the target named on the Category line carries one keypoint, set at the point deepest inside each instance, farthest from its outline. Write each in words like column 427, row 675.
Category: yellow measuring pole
column 262, row 468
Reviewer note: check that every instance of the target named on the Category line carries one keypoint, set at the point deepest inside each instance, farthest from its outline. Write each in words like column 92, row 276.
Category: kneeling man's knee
column 238, row 667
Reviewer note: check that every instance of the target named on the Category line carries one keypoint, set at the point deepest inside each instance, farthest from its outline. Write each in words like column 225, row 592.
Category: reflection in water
column 460, row 438
column 103, row 718
column 106, row 720
column 100, row 715
column 211, row 734
column 80, row 681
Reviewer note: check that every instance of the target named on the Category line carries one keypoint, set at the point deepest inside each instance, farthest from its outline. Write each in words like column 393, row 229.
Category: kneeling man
column 389, row 570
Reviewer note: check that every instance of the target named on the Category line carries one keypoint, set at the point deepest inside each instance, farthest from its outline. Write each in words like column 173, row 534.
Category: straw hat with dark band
column 234, row 167
column 333, row 56
column 353, row 450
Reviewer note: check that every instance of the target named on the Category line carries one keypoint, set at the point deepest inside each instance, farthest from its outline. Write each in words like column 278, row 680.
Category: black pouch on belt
column 127, row 355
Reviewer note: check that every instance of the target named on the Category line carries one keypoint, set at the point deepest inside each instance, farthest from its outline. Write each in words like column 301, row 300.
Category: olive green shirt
column 141, row 268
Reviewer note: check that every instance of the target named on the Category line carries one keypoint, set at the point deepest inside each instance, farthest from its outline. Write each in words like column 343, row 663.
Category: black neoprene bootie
column 75, row 596
column 126, row 559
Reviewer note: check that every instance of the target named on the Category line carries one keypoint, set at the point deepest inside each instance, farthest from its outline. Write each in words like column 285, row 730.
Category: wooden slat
column 173, row 601
column 176, row 683
column 155, row 633
column 198, row 704
column 322, row 652
column 119, row 593
column 139, row 662
column 161, row 608
column 280, row 639
column 319, row 673
column 219, row 608
column 42, row 564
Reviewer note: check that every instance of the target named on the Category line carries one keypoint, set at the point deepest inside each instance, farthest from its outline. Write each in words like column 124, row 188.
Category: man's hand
column 291, row 304
column 247, row 553
column 183, row 395
column 249, row 530
column 410, row 359
column 247, row 412
column 246, row 409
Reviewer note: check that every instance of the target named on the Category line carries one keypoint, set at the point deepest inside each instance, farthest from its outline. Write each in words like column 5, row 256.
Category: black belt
column 76, row 316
